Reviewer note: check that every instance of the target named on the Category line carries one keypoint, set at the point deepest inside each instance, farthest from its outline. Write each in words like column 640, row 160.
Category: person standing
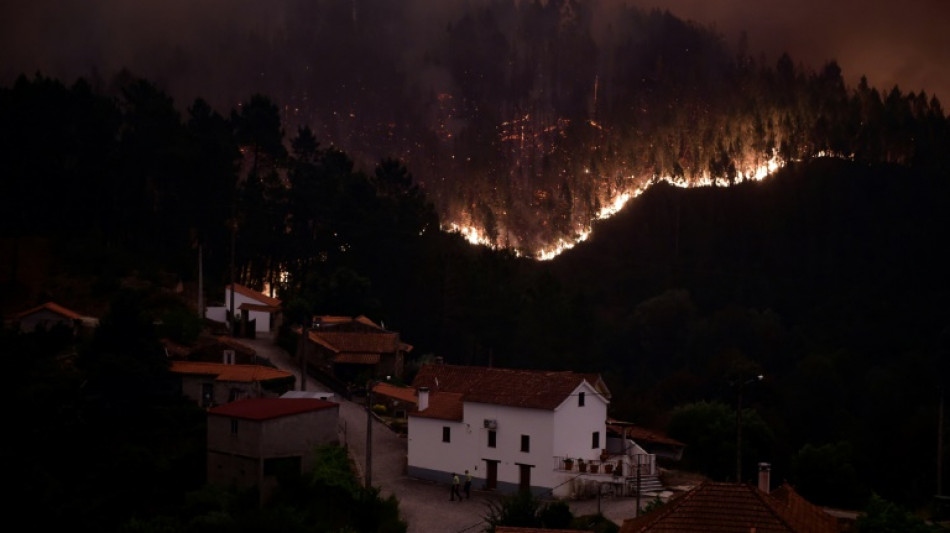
column 455, row 488
column 468, row 485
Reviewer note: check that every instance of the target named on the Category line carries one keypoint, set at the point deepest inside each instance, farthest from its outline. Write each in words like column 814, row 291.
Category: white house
column 249, row 305
column 509, row 428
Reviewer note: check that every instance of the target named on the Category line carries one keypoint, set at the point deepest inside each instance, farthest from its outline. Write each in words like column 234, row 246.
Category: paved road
column 424, row 505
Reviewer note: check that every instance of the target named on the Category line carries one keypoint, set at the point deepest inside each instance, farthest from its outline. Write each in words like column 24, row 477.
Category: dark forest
column 828, row 277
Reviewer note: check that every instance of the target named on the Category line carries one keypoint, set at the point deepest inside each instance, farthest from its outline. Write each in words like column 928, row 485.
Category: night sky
column 177, row 42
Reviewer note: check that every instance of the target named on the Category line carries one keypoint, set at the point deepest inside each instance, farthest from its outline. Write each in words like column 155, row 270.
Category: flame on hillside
column 477, row 236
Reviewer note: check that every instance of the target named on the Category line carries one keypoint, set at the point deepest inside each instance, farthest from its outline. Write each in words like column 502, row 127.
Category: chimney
column 423, row 398
column 439, row 360
column 764, row 481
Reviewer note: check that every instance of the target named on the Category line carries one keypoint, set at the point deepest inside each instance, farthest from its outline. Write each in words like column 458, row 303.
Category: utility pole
column 369, row 434
column 638, row 484
column 201, row 290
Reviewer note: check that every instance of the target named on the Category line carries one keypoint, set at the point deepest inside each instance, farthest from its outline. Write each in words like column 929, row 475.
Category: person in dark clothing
column 455, row 488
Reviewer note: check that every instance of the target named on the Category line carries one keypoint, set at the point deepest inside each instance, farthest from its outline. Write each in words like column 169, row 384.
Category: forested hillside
column 828, row 278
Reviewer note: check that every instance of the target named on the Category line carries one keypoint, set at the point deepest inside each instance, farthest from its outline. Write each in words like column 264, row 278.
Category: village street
column 425, row 506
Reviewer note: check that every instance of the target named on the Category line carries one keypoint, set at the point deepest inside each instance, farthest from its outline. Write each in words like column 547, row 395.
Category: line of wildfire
column 476, row 236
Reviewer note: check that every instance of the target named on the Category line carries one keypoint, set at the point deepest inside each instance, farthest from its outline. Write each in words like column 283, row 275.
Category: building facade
column 251, row 441
column 511, row 429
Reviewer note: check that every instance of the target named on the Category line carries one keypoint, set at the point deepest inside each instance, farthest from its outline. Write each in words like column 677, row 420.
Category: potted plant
column 594, row 467
column 568, row 463
column 581, row 465
column 608, row 468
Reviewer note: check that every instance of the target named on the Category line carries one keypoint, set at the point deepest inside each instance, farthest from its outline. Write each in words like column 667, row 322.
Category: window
column 491, row 438
column 525, row 443
column 234, row 426
column 595, row 440
column 446, row 434
column 580, row 399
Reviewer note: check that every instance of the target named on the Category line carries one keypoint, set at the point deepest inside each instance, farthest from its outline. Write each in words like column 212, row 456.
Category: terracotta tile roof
column 443, row 406
column 536, row 389
column 802, row 514
column 365, row 320
column 512, row 529
column 355, row 341
column 332, row 319
column 727, row 508
column 357, row 358
column 237, row 345
column 405, row 394
column 251, row 293
column 639, row 433
column 270, row 408
column 320, row 340
column 174, row 349
column 223, row 372
column 55, row 308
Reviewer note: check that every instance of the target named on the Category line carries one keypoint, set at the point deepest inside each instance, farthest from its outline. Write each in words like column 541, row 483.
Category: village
column 499, row 430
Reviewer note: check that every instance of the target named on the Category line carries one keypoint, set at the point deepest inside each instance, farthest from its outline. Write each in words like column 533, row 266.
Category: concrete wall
column 235, row 457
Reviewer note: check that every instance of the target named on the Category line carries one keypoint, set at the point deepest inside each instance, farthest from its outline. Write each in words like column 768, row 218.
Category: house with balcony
column 252, row 441
column 542, row 431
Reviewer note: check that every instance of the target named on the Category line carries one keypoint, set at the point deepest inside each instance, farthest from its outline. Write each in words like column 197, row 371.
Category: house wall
column 220, row 314
column 564, row 432
column 575, row 425
column 263, row 320
column 235, row 457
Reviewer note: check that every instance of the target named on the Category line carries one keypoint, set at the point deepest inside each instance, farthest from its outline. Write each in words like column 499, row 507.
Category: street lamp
column 739, row 386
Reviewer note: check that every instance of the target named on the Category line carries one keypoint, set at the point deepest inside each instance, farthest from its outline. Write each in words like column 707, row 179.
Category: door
column 524, row 477
column 491, row 474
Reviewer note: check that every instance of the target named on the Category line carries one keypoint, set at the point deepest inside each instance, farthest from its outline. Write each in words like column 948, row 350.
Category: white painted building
column 249, row 305
column 509, row 428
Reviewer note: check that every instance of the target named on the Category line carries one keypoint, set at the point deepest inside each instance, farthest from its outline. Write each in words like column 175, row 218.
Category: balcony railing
column 620, row 465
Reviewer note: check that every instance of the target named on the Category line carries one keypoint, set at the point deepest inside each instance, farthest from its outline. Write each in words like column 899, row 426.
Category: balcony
column 610, row 465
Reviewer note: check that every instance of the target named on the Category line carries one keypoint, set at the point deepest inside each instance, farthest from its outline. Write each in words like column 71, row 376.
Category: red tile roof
column 406, row 394
column 357, row 358
column 443, row 406
column 355, row 341
column 223, row 372
column 251, row 293
column 639, row 433
column 730, row 508
column 536, row 389
column 54, row 307
column 269, row 408
column 512, row 529
column 802, row 514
